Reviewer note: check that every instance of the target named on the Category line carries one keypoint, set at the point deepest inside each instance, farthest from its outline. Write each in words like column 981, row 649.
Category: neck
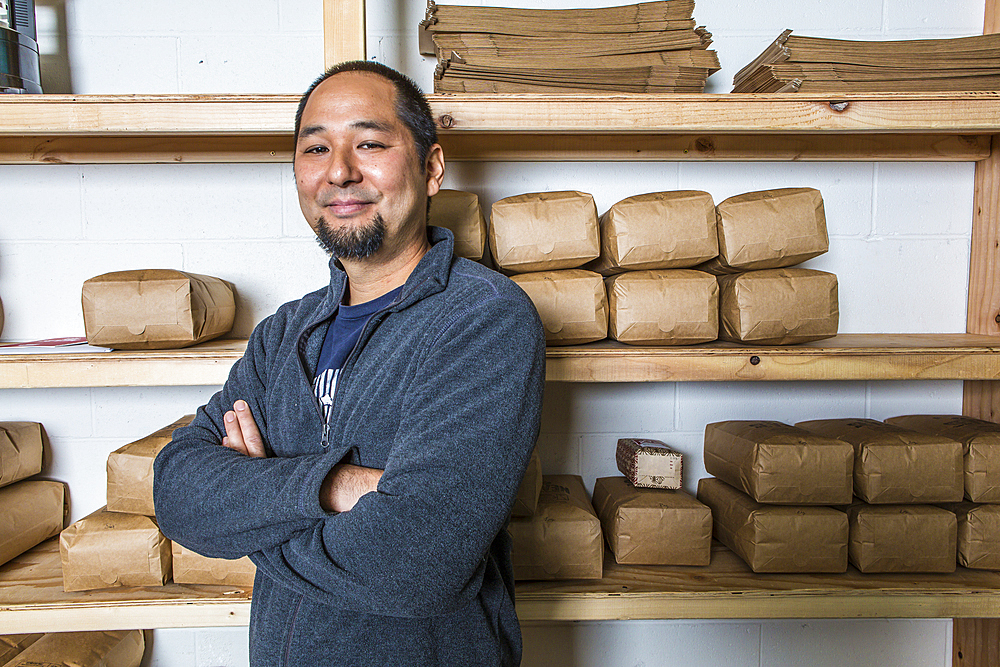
column 374, row 276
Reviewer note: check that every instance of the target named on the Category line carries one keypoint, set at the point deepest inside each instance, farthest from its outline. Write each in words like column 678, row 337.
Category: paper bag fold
column 572, row 304
column 544, row 231
column 21, row 450
column 130, row 471
column 31, row 511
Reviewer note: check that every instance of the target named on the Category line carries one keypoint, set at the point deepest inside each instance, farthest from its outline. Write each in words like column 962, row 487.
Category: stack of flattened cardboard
column 650, row 47
column 811, row 64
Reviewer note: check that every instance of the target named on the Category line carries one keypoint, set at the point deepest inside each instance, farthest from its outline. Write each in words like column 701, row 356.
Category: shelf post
column 343, row 31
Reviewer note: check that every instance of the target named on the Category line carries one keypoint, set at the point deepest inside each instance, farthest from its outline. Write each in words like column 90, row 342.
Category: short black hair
column 412, row 108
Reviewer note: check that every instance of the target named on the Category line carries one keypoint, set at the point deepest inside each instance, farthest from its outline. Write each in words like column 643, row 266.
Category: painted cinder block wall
column 899, row 232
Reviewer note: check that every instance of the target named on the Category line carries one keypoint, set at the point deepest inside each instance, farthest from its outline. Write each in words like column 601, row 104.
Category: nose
column 342, row 168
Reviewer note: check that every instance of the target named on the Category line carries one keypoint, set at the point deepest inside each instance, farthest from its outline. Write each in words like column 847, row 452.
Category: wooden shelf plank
column 32, row 598
column 844, row 357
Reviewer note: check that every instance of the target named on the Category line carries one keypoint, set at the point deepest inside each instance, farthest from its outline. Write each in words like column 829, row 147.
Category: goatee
column 357, row 243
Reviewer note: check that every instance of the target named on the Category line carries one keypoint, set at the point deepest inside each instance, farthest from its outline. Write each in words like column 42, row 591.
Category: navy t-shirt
column 341, row 337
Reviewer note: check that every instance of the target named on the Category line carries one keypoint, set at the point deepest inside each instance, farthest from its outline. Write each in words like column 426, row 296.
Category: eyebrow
column 378, row 126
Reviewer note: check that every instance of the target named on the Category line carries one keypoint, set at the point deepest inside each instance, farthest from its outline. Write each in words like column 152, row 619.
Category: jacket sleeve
column 224, row 504
column 449, row 482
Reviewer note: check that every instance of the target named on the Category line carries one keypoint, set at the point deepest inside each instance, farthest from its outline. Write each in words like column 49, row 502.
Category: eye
column 316, row 149
column 370, row 145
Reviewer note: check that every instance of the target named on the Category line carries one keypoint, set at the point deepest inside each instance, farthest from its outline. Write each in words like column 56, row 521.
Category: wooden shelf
column 258, row 128
column 844, row 357
column 32, row 598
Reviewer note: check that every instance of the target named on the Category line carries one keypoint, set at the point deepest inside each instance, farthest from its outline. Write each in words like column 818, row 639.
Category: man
column 366, row 450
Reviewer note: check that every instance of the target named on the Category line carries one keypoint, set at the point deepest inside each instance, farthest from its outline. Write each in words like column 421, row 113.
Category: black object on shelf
column 19, row 69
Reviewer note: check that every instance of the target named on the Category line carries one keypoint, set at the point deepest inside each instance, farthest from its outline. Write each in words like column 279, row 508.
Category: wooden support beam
column 343, row 31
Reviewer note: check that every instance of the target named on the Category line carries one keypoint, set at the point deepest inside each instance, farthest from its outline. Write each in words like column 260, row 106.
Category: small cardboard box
column 153, row 309
column 649, row 463
column 894, row 465
column 544, row 231
column 460, row 212
column 653, row 526
column 775, row 463
column 769, row 229
column 108, row 549
column 31, row 512
column 21, row 448
column 563, row 540
column 978, row 534
column 778, row 306
column 669, row 307
column 902, row 538
column 776, row 538
column 12, row 645
column 527, row 494
column 130, row 471
column 572, row 304
column 102, row 648
column 659, row 230
column 193, row 568
column 980, row 449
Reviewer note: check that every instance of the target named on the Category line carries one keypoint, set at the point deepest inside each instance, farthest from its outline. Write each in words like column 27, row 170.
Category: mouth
column 346, row 208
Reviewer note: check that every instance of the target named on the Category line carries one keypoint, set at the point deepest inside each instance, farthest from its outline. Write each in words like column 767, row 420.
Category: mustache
column 328, row 198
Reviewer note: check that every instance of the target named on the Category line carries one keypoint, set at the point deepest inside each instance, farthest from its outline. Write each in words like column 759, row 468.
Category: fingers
column 234, row 434
column 252, row 440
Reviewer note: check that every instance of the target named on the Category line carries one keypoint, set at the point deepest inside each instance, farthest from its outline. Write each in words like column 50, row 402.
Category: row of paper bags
column 120, row 648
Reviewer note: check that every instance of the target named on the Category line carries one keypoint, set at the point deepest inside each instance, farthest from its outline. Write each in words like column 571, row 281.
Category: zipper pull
column 326, row 436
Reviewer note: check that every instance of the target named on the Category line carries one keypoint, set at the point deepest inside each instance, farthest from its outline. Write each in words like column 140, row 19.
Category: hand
column 242, row 434
column 345, row 484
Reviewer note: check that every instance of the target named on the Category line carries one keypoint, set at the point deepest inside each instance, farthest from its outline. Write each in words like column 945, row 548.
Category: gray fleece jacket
column 443, row 391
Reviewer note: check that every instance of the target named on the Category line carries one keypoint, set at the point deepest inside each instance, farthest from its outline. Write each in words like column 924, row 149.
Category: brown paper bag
column 121, row 648
column 775, row 463
column 31, row 511
column 672, row 307
column 778, row 306
column 978, row 535
column 109, row 549
column 653, row 526
column 154, row 309
column 980, row 449
column 902, row 538
column 527, row 494
column 660, row 230
column 193, row 568
column 544, row 231
column 12, row 645
column 769, row 229
column 130, row 471
column 648, row 463
column 563, row 539
column 776, row 538
column 573, row 304
column 21, row 445
column 897, row 465
column 460, row 212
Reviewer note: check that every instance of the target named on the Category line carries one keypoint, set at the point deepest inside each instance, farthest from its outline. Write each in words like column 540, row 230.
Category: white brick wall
column 904, row 228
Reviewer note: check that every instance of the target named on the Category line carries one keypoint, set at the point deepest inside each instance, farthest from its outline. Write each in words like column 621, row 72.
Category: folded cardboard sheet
column 648, row 463
column 130, row 471
column 902, row 538
column 121, row 648
column 21, row 446
column 151, row 309
column 563, row 540
column 663, row 307
column 12, row 645
column 894, row 465
column 659, row 230
column 769, row 229
column 527, row 494
column 778, row 306
column 980, row 449
column 31, row 511
column 653, row 526
column 978, row 534
column 107, row 549
column 193, row 568
column 776, row 538
column 573, row 304
column 544, row 231
column 776, row 463
column 461, row 213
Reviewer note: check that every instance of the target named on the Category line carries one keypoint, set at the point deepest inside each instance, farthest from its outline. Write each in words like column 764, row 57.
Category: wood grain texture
column 343, row 31
column 146, row 149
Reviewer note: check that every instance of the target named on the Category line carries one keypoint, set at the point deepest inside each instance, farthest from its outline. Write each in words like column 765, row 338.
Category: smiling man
column 366, row 450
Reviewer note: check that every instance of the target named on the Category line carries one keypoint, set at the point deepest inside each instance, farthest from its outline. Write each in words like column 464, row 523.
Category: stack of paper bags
column 811, row 64
column 650, row 47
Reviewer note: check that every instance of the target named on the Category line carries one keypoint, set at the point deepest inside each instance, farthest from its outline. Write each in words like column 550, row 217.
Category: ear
column 434, row 169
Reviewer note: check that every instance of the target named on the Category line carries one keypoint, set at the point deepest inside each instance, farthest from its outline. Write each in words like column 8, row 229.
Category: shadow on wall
column 53, row 46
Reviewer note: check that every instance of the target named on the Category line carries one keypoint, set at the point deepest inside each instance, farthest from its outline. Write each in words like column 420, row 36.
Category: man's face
column 360, row 183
